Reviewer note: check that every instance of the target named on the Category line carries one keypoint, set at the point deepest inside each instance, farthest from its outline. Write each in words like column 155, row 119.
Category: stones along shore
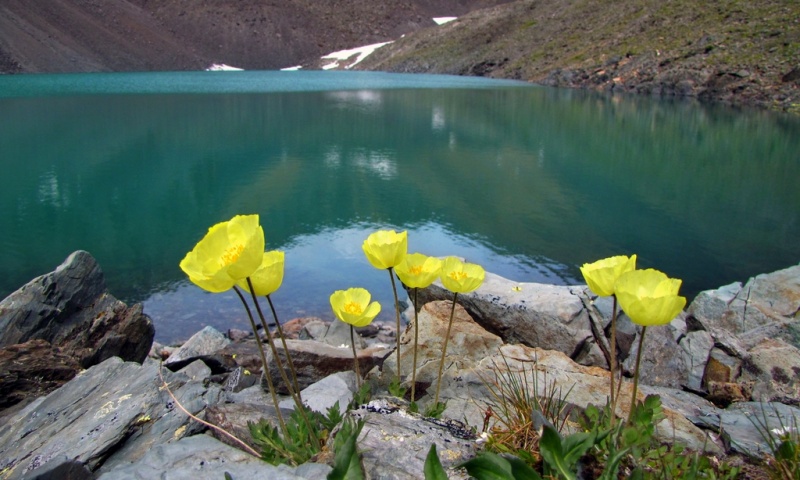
column 82, row 386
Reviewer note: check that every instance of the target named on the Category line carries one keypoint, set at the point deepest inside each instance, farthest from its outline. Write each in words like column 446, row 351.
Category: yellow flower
column 386, row 248
column 461, row 277
column 602, row 274
column 649, row 297
column 352, row 306
column 269, row 275
column 418, row 270
column 229, row 252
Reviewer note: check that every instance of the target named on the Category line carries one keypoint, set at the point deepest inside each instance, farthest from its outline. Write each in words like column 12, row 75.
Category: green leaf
column 553, row 454
column 489, row 466
column 576, row 445
column 521, row 470
column 433, row 469
column 346, row 460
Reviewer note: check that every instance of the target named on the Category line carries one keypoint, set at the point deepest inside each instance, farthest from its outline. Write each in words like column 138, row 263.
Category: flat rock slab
column 111, row 413
column 394, row 444
column 201, row 457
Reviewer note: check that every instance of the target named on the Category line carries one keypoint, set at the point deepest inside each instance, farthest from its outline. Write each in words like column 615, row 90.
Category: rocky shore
column 83, row 387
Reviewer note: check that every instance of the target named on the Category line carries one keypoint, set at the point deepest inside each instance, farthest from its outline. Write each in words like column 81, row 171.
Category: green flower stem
column 355, row 357
column 613, row 360
column 416, row 343
column 636, row 374
column 292, row 370
column 444, row 349
column 397, row 315
column 295, row 394
column 264, row 365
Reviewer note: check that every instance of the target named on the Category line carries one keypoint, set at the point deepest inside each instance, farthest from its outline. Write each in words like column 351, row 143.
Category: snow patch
column 443, row 20
column 362, row 52
column 221, row 67
column 292, row 69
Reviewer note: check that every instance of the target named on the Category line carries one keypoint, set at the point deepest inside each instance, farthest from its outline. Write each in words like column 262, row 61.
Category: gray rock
column 316, row 360
column 324, row 394
column 746, row 426
column 234, row 417
column 773, row 367
column 314, row 330
column 338, row 334
column 546, row 316
column 553, row 373
column 202, row 457
column 394, row 443
column 203, row 345
column 70, row 308
column 696, row 347
column 469, row 342
column 111, row 413
column 663, row 360
column 60, row 469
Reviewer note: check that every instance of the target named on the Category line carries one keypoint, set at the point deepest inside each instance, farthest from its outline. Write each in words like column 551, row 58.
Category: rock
column 293, row 328
column 663, row 360
column 792, row 75
column 314, row 330
column 394, row 444
column 765, row 299
column 32, row 369
column 721, row 367
column 546, row 316
column 469, row 342
column 338, row 334
column 60, row 469
column 203, row 345
column 324, row 394
column 744, row 426
column 70, row 308
column 111, row 413
column 233, row 418
column 239, row 379
column 696, row 347
column 316, row 360
column 773, row 366
column 238, row 335
column 201, row 457
column 550, row 373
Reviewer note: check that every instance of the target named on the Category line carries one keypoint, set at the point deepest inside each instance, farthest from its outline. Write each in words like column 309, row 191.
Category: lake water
column 530, row 182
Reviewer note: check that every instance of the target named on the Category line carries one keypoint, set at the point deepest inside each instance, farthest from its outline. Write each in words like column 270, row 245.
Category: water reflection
column 530, row 182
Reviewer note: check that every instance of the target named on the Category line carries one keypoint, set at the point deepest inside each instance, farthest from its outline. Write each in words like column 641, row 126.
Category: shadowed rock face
column 63, row 322
column 72, row 309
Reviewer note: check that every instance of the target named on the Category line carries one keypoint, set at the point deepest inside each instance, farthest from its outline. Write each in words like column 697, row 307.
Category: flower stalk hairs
column 649, row 298
column 458, row 277
column 385, row 249
column 417, row 271
column 601, row 277
column 353, row 307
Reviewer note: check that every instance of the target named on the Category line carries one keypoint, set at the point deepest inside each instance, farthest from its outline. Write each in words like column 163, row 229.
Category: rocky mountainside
column 143, row 35
column 736, row 51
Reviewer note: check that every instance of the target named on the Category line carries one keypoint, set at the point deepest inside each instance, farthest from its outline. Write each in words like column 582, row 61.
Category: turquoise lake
column 530, row 182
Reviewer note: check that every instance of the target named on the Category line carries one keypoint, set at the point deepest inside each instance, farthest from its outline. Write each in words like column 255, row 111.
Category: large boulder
column 112, row 413
column 71, row 308
column 552, row 317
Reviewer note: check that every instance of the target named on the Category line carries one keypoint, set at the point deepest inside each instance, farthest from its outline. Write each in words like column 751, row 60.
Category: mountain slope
column 737, row 51
column 131, row 35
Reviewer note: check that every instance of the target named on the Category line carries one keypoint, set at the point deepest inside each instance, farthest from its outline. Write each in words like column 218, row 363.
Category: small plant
column 301, row 443
column 519, row 412
column 346, row 459
column 784, row 443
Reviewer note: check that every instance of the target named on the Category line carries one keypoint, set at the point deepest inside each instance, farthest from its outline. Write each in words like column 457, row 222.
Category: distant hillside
column 737, row 51
column 140, row 35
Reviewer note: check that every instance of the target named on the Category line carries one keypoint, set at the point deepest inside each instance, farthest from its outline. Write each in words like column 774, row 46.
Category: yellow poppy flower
column 229, row 252
column 649, row 297
column 352, row 306
column 269, row 275
column 602, row 274
column 386, row 248
column 461, row 277
column 418, row 270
